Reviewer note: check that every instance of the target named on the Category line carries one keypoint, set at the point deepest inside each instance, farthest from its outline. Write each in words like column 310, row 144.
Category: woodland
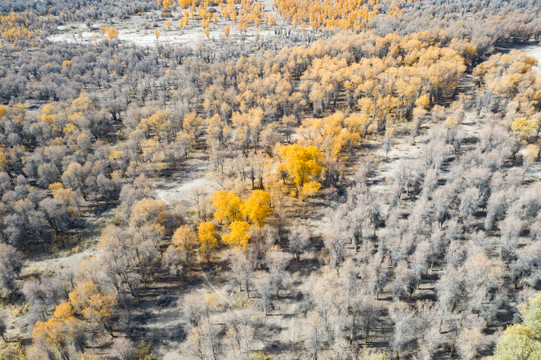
column 287, row 179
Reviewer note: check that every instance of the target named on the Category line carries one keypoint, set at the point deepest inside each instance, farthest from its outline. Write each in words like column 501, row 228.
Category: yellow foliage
column 309, row 189
column 423, row 102
column 332, row 134
column 56, row 331
column 331, row 14
column 17, row 26
column 92, row 304
column 191, row 124
column 109, row 33
column 524, row 128
column 301, row 163
column 207, row 238
column 238, row 235
column 4, row 157
column 257, row 207
column 63, row 311
column 3, row 110
column 227, row 206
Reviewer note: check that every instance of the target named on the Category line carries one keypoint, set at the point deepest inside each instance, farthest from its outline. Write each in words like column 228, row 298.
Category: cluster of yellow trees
column 19, row 26
column 230, row 211
column 243, row 13
column 344, row 90
column 88, row 309
column 108, row 33
column 332, row 14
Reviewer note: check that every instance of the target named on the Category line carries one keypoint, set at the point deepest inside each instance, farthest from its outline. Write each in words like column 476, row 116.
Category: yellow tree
column 301, row 163
column 309, row 189
column 95, row 307
column 3, row 110
column 58, row 331
column 257, row 207
column 238, row 235
column 207, row 238
column 227, row 206
column 524, row 128
column 111, row 33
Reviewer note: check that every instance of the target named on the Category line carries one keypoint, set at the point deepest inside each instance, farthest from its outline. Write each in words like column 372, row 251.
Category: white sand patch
column 55, row 265
column 172, row 192
column 534, row 51
column 139, row 31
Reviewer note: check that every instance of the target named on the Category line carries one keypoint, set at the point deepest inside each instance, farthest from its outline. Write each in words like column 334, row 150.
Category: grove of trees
column 360, row 183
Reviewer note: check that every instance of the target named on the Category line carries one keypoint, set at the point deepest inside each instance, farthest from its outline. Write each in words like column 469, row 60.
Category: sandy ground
column 53, row 265
column 138, row 31
column 195, row 175
column 534, row 51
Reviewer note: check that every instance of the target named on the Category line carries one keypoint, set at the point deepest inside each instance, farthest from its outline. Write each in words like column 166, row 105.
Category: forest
column 256, row 179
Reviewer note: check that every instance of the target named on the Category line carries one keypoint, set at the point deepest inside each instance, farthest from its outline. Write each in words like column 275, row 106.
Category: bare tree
column 299, row 240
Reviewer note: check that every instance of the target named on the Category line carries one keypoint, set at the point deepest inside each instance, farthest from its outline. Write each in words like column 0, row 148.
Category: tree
column 516, row 344
column 242, row 269
column 227, row 206
column 238, row 235
column 522, row 341
column 299, row 240
column 57, row 333
column 94, row 306
column 184, row 242
column 404, row 328
column 302, row 164
column 147, row 210
column 276, row 262
column 257, row 207
column 240, row 333
column 468, row 342
column 336, row 236
column 207, row 238
column 65, row 196
column 74, row 177
column 525, row 128
column 10, row 266
column 316, row 333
